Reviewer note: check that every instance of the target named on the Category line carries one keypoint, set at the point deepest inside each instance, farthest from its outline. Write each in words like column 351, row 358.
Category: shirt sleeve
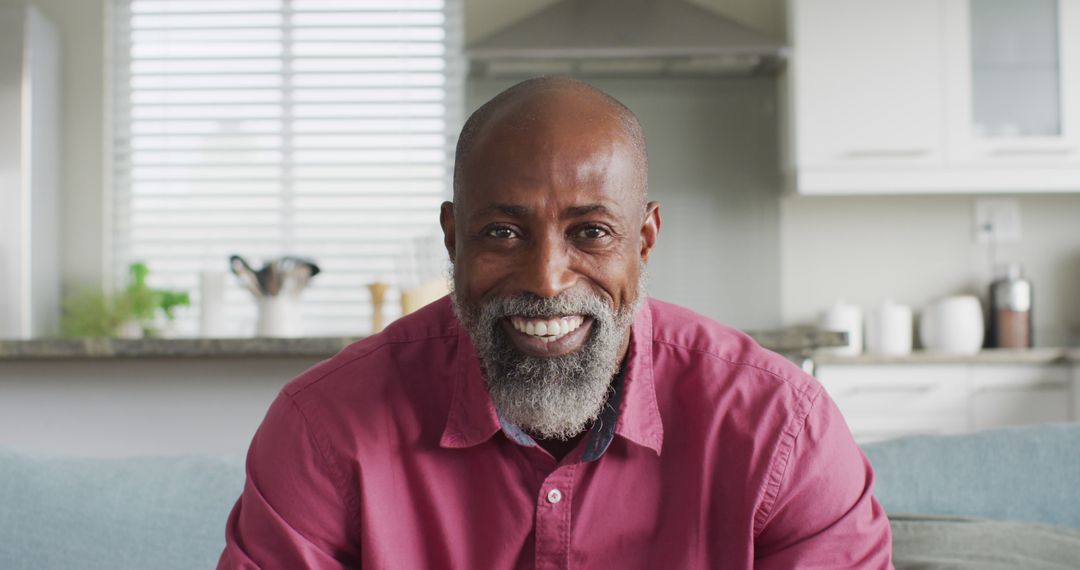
column 292, row 512
column 824, row 514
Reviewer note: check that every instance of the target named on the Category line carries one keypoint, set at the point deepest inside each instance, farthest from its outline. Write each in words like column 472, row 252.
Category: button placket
column 553, row 519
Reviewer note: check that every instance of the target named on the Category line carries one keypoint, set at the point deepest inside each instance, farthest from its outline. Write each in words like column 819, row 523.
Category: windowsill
column 106, row 348
column 791, row 341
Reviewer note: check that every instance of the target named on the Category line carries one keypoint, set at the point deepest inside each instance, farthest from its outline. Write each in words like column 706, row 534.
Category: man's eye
column 592, row 232
column 501, row 232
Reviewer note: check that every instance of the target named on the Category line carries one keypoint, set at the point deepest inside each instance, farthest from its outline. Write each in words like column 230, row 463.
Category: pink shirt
column 391, row 455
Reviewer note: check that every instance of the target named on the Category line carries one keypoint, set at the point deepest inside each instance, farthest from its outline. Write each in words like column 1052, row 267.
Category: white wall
column 918, row 248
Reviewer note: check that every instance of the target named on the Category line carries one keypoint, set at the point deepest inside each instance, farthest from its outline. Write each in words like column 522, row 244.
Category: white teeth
column 547, row 330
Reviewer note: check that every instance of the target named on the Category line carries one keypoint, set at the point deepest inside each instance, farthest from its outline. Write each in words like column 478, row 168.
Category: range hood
column 625, row 38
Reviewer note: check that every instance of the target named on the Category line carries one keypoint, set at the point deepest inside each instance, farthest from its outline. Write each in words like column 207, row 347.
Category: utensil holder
column 279, row 316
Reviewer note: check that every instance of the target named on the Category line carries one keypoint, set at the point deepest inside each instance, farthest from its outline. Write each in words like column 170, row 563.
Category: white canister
column 279, row 316
column 212, row 304
column 889, row 329
column 844, row 317
column 953, row 325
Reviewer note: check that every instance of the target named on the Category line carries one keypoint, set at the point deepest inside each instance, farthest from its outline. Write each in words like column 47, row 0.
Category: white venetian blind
column 319, row 128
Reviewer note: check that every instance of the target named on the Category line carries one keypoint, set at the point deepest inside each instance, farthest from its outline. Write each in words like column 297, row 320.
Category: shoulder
column 752, row 401
column 723, row 353
column 416, row 348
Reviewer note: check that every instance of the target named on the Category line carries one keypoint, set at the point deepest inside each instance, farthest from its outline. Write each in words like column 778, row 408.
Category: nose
column 548, row 270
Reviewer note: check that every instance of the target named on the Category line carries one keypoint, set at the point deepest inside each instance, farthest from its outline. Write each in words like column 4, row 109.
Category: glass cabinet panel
column 1016, row 75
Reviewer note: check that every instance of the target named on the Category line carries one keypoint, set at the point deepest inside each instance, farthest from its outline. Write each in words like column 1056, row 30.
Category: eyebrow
column 515, row 211
column 507, row 209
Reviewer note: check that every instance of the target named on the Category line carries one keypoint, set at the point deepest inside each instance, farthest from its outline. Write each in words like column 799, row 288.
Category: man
column 548, row 415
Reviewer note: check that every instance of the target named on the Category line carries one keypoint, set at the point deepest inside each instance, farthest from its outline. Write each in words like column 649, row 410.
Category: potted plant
column 133, row 313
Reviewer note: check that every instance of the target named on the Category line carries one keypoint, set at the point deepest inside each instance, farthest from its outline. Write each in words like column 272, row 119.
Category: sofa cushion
column 958, row 543
column 1021, row 473
column 145, row 512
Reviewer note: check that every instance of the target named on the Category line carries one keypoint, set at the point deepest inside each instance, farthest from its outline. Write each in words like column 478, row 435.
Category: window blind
column 319, row 128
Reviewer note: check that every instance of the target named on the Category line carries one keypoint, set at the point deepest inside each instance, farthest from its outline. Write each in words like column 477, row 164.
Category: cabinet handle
column 887, row 153
column 1037, row 151
column 887, row 389
column 1034, row 387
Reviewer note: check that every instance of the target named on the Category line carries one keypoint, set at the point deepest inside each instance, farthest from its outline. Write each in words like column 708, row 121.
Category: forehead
column 562, row 158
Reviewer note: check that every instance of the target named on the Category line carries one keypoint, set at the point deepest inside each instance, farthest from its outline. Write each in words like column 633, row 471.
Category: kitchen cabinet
column 875, row 105
column 1004, row 395
column 882, row 401
column 933, row 96
column 1014, row 70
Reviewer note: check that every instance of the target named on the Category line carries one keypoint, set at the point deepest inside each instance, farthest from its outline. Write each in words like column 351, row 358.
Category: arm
column 824, row 514
column 293, row 510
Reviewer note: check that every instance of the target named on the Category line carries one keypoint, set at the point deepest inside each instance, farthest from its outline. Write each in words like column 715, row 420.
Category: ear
column 650, row 229
column 446, row 220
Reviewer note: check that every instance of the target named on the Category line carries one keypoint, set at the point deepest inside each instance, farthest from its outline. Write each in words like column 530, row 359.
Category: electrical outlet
column 997, row 220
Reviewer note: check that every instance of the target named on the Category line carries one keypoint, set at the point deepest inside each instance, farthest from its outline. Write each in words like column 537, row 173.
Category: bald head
column 532, row 108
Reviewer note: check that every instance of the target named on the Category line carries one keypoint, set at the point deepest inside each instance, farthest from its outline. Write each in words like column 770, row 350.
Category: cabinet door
column 885, row 401
column 1004, row 395
column 867, row 83
column 1014, row 89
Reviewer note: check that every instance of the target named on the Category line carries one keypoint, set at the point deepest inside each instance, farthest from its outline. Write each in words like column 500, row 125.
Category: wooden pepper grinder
column 378, row 295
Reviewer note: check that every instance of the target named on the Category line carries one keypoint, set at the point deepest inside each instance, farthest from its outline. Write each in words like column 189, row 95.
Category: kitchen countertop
column 989, row 356
column 794, row 340
column 66, row 348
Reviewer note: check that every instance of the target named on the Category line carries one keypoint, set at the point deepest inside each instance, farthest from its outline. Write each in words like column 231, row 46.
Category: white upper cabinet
column 934, row 96
column 868, row 95
column 1015, row 70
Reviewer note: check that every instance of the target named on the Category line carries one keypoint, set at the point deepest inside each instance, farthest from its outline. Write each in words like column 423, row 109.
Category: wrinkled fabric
column 391, row 455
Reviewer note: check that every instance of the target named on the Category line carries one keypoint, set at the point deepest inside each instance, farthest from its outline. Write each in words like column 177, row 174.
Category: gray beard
column 554, row 397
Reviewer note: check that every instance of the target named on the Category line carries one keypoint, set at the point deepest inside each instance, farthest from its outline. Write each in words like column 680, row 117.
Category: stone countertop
column 988, row 356
column 104, row 348
column 784, row 341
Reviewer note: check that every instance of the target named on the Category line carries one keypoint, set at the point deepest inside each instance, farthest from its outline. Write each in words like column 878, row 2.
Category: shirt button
column 554, row 496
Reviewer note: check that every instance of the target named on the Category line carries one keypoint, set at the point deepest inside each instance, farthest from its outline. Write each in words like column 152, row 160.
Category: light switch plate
column 997, row 220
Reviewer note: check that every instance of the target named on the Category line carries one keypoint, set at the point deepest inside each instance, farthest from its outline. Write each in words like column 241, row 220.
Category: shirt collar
column 472, row 418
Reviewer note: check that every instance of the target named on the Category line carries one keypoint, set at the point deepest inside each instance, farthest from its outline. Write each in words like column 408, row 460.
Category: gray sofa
column 1017, row 487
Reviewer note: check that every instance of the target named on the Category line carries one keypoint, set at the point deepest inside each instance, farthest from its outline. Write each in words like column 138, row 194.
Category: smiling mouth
column 547, row 337
column 547, row 330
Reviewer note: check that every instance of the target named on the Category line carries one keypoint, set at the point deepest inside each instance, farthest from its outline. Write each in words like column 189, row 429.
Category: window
column 319, row 128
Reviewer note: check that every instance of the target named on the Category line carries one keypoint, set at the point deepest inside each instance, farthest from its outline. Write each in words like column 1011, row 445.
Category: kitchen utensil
column 296, row 272
column 953, row 325
column 246, row 274
column 888, row 329
column 844, row 317
column 276, row 286
column 1010, row 309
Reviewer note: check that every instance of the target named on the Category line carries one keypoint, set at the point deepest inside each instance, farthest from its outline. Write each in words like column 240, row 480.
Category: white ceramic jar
column 889, row 329
column 844, row 317
column 953, row 325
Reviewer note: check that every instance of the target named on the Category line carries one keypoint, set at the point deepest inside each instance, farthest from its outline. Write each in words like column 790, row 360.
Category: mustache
column 529, row 305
